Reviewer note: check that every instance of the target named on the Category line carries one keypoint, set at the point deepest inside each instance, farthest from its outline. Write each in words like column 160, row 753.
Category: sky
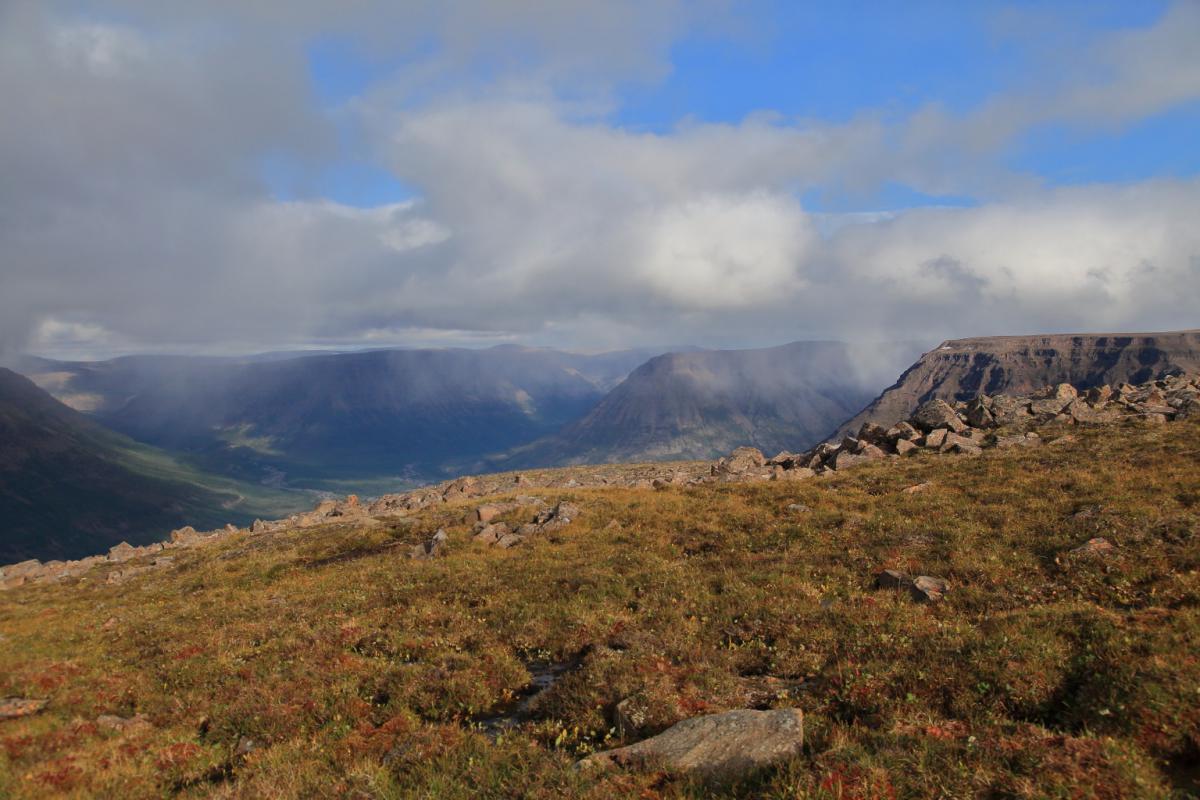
column 231, row 177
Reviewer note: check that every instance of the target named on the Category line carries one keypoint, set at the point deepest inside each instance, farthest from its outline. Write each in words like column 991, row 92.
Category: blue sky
column 233, row 177
column 821, row 62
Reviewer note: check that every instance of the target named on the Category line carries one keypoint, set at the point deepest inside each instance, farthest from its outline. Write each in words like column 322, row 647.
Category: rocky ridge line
column 967, row 428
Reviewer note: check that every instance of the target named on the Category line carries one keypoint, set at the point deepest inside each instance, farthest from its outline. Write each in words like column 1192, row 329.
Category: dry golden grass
column 357, row 671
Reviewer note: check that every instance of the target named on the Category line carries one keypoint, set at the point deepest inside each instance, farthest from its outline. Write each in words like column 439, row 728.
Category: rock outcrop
column 961, row 369
column 716, row 745
column 967, row 427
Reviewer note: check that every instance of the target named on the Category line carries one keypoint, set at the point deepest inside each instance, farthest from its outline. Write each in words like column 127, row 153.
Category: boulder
column 462, row 487
column 740, row 461
column 903, row 431
column 979, row 415
column 1048, row 407
column 509, row 540
column 490, row 534
column 904, row 447
column 923, row 588
column 953, row 443
column 1098, row 546
column 138, row 722
column 13, row 707
column 935, row 438
column 1007, row 410
column 846, row 459
column 873, row 434
column 794, row 474
column 871, row 451
column 122, row 552
column 433, row 548
column 714, row 746
column 560, row 516
column 489, row 512
column 1064, row 391
column 936, row 414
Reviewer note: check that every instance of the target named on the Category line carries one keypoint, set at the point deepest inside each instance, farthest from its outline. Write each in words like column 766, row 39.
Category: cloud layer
column 133, row 214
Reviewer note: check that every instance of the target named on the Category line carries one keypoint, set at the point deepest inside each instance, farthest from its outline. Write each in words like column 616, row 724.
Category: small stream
column 506, row 716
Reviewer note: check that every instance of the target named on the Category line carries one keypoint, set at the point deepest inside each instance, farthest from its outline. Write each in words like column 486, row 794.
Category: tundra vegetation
column 325, row 661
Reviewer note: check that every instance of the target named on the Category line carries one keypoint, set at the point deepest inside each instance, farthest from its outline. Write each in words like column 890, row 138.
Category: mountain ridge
column 960, row 368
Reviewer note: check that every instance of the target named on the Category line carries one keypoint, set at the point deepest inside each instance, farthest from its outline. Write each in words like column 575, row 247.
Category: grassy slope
column 1041, row 675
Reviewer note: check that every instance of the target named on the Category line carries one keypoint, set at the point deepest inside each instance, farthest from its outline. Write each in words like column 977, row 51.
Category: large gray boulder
column 937, row 414
column 717, row 745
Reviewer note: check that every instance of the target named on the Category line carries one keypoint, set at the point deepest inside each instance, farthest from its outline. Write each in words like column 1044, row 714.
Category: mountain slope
column 705, row 403
column 961, row 368
column 346, row 419
column 328, row 661
column 69, row 488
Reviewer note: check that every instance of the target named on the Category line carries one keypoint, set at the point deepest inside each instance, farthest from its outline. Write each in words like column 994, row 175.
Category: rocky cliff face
column 963, row 368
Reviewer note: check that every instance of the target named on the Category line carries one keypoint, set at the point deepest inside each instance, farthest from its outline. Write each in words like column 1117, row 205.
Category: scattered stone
column 1019, row 440
column 112, row 722
column 714, row 746
column 510, row 540
column 121, row 552
column 739, row 462
column 794, row 474
column 1098, row 546
column 490, row 534
column 629, row 716
column 557, row 517
column 920, row 487
column 798, row 508
column 489, row 512
column 14, row 707
column 431, row 549
column 245, row 747
column 923, row 588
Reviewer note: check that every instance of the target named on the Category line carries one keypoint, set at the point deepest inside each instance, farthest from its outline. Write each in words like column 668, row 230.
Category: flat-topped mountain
column 962, row 368
column 69, row 488
column 704, row 403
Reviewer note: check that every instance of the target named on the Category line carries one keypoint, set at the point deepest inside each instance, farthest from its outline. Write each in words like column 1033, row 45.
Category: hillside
column 363, row 421
column 704, row 403
column 403, row 650
column 69, row 488
column 961, row 368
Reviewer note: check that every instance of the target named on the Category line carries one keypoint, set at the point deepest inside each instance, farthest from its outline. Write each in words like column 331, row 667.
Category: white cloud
column 131, row 207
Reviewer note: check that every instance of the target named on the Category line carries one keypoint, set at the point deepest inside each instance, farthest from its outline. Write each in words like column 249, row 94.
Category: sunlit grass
column 356, row 671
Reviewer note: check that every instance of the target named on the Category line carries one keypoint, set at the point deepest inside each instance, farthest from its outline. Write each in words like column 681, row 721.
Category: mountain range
column 158, row 441
column 70, row 488
column 704, row 403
